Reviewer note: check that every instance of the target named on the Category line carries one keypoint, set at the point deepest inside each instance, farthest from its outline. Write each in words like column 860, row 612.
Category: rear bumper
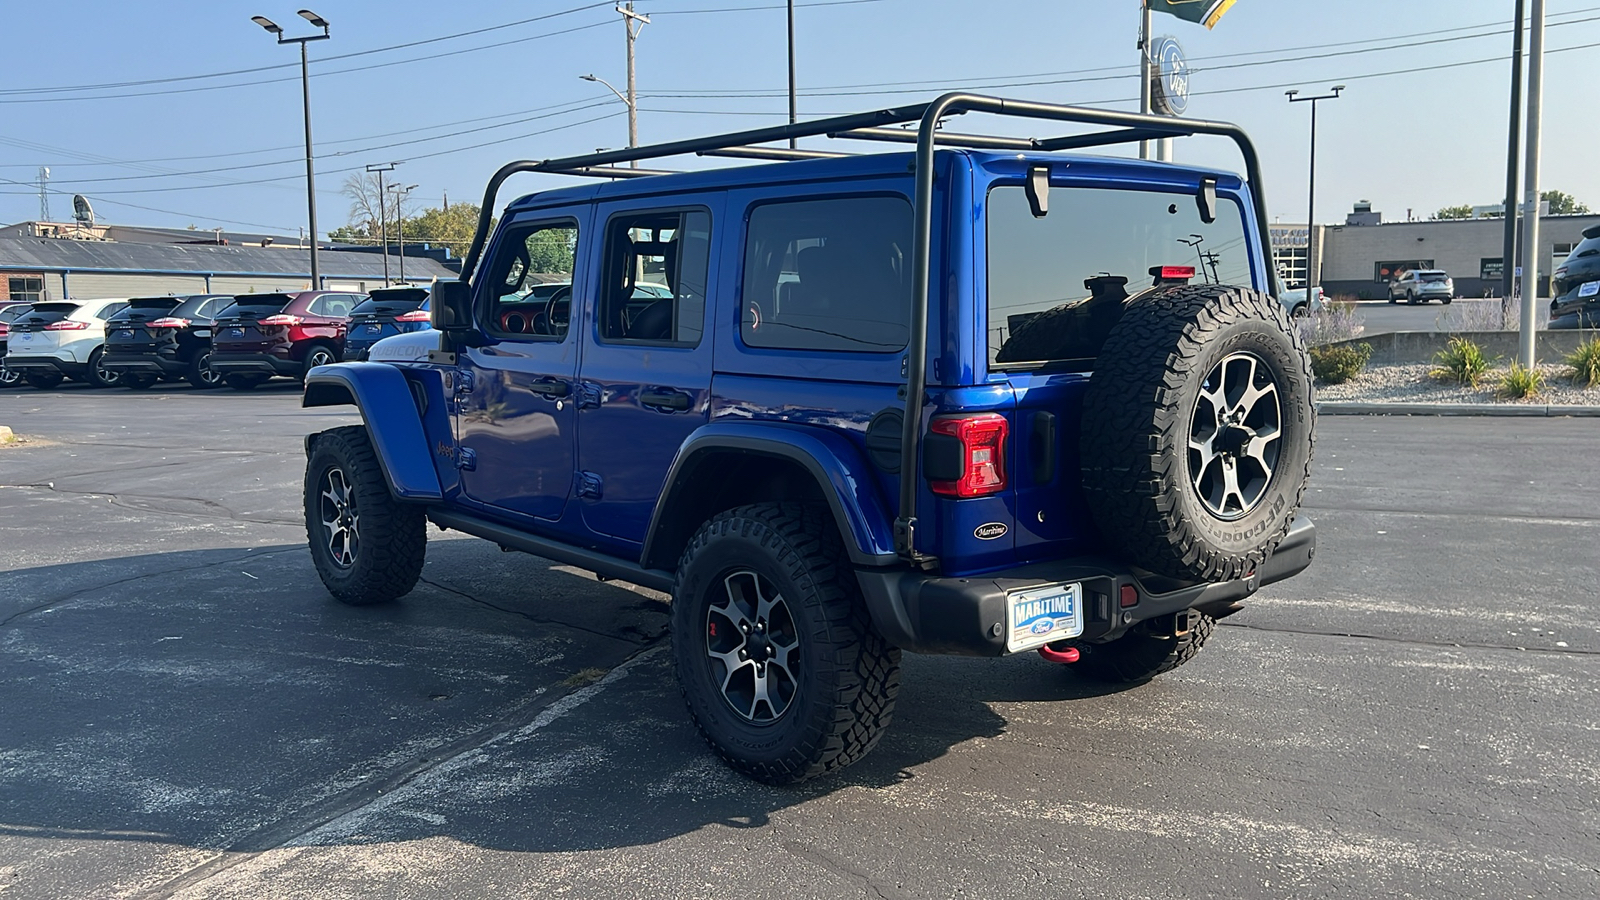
column 144, row 362
column 26, row 364
column 252, row 364
column 966, row 616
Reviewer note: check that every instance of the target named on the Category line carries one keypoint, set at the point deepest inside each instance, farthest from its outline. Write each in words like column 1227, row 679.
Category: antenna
column 81, row 210
column 44, row 194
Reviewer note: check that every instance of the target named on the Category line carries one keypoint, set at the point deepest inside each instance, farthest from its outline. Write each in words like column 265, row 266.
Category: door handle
column 676, row 400
column 551, row 388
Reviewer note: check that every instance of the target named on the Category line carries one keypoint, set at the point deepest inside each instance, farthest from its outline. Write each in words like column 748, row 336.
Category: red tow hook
column 1069, row 655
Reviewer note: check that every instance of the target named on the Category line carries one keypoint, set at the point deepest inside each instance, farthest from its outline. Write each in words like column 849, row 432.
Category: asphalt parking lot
column 1381, row 317
column 186, row 713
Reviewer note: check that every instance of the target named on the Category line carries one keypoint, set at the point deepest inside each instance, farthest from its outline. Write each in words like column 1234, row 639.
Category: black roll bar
column 1127, row 128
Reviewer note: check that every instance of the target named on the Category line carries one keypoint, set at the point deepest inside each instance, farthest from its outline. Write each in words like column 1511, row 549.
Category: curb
column 1331, row 408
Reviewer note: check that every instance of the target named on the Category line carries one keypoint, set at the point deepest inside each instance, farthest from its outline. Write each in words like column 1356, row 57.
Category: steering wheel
column 558, row 310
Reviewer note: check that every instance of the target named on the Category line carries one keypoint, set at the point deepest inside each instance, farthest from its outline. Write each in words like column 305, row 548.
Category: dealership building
column 1361, row 257
column 40, row 261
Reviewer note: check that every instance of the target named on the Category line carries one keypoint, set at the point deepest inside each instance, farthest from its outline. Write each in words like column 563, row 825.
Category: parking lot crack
column 160, row 573
column 1390, row 639
column 210, row 509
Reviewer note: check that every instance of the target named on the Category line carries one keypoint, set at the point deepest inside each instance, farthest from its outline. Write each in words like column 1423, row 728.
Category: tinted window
column 1590, row 247
column 531, row 282
column 257, row 307
column 143, row 309
column 334, row 306
column 199, row 307
column 654, row 287
column 1434, row 276
column 11, row 313
column 828, row 275
column 1068, row 263
column 390, row 302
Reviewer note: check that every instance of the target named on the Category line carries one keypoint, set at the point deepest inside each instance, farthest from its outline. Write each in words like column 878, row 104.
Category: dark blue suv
column 968, row 401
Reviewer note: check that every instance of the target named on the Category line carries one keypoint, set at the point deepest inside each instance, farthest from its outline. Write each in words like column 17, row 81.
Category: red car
column 262, row 335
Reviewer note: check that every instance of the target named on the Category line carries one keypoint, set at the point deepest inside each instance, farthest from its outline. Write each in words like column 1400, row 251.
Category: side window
column 531, row 282
column 654, row 285
column 112, row 310
column 828, row 275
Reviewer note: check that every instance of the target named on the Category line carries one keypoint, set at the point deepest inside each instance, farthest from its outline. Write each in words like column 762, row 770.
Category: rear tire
column 201, row 375
column 97, row 374
column 318, row 355
column 816, row 686
column 1143, row 653
column 1197, row 431
column 367, row 546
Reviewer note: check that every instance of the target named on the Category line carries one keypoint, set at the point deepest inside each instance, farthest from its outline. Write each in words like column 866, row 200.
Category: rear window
column 45, row 313
column 828, row 275
column 390, row 303
column 1069, row 263
column 1434, row 276
column 143, row 309
column 1590, row 247
column 255, row 307
column 201, row 306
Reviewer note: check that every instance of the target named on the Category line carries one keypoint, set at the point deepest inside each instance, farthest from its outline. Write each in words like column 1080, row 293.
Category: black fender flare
column 388, row 408
column 843, row 476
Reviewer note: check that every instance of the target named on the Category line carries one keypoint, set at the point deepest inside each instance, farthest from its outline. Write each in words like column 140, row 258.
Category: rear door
column 238, row 328
column 129, row 331
column 515, row 412
column 30, row 337
column 646, row 371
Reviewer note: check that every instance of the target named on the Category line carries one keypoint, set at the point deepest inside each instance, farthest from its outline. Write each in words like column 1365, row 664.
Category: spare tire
column 1197, row 431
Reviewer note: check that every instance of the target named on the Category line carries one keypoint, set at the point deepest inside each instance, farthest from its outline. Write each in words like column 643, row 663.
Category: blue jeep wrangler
column 975, row 400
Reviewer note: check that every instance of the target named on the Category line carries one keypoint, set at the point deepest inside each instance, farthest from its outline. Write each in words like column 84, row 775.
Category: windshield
column 258, row 307
column 1095, row 247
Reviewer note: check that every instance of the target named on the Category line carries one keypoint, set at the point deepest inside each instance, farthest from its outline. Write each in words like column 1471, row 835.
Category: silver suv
column 1422, row 285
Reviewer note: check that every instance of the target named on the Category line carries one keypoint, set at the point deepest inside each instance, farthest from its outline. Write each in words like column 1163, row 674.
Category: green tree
column 1563, row 203
column 351, row 234
column 550, row 251
column 1454, row 212
column 451, row 227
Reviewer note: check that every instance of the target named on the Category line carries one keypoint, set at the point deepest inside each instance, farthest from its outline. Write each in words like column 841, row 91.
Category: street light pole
column 305, row 90
column 383, row 215
column 1311, row 179
column 400, row 194
column 1144, row 70
column 1509, row 245
column 793, row 106
column 1530, row 186
column 632, row 134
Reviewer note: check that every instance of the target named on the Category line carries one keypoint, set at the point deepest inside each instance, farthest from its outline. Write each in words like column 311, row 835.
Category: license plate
column 374, row 329
column 235, row 332
column 1044, row 614
column 125, row 335
column 1589, row 289
column 27, row 335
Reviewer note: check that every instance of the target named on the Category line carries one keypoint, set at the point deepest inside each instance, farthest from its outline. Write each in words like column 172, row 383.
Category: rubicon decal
column 988, row 531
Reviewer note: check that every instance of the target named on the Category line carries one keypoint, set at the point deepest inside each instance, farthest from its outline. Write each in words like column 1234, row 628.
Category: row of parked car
column 207, row 339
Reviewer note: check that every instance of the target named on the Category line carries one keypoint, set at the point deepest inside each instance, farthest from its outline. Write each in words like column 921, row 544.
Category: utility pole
column 1311, row 185
column 44, row 193
column 305, row 90
column 400, row 194
column 1530, row 185
column 1144, row 70
column 793, row 106
column 1509, row 247
column 383, row 216
column 628, row 19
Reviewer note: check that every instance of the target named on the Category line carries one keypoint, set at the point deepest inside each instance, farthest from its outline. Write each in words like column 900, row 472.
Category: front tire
column 367, row 546
column 776, row 656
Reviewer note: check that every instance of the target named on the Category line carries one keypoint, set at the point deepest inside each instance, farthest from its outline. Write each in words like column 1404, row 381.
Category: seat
column 654, row 323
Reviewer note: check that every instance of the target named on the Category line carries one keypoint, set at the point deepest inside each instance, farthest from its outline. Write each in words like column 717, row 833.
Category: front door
column 646, row 375
column 516, row 410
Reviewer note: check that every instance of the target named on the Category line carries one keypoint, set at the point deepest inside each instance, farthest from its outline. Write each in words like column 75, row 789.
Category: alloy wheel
column 1235, row 436
column 341, row 523
column 321, row 356
column 752, row 647
column 208, row 376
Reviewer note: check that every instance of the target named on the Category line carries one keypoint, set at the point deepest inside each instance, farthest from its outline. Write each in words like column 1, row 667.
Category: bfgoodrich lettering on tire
column 1197, row 431
column 367, row 547
column 776, row 657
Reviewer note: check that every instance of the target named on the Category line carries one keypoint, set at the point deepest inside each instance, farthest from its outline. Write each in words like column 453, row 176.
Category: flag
column 1205, row 12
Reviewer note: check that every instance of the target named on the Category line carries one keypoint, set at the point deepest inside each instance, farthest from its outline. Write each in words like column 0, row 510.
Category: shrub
column 1520, row 383
column 1339, row 363
column 1459, row 317
column 1584, row 363
column 1462, row 362
column 1334, row 322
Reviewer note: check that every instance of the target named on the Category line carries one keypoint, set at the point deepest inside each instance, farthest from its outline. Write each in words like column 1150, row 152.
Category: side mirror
column 452, row 307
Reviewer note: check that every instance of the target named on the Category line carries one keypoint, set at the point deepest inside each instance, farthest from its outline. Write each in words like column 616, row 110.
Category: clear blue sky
column 1420, row 140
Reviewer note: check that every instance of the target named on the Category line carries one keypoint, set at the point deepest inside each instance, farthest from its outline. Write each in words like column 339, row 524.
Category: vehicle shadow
column 220, row 699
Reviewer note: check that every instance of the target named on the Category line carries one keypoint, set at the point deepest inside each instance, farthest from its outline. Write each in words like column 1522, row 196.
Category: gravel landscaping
column 1414, row 384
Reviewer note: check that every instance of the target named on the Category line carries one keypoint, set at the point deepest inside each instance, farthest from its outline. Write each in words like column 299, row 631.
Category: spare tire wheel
column 1197, row 431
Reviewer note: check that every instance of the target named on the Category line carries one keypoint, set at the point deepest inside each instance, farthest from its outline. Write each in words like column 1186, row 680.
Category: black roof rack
column 1120, row 128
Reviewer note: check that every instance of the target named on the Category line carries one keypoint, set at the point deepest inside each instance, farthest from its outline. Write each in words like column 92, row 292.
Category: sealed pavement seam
column 1354, row 408
column 1451, row 645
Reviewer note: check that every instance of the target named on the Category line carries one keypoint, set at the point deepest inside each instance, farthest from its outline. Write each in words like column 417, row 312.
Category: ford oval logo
column 1043, row 626
column 988, row 531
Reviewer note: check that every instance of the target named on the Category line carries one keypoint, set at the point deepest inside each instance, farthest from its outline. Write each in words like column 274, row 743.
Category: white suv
column 62, row 339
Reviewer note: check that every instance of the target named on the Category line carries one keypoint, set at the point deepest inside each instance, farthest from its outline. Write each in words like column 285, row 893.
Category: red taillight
column 416, row 315
column 67, row 325
column 983, row 442
column 280, row 320
column 168, row 322
column 1174, row 273
column 4, row 329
